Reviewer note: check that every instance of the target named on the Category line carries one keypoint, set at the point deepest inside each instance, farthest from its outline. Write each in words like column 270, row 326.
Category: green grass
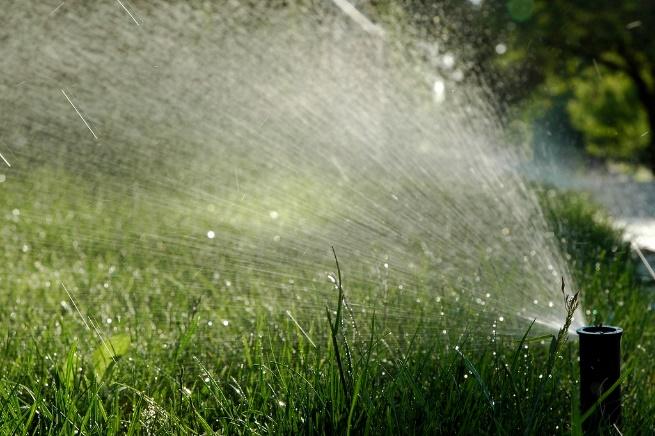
column 167, row 364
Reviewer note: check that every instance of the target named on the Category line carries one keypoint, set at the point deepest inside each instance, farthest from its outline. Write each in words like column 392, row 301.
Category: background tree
column 600, row 57
column 582, row 68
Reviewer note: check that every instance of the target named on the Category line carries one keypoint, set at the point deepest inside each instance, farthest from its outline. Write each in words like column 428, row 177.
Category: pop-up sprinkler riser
column 600, row 369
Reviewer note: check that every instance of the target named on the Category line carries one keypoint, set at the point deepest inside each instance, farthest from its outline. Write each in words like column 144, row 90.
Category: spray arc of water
column 281, row 134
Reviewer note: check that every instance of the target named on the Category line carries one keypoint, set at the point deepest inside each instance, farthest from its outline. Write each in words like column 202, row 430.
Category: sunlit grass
column 162, row 346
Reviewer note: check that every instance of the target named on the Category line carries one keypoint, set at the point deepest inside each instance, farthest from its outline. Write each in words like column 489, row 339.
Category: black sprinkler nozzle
column 600, row 369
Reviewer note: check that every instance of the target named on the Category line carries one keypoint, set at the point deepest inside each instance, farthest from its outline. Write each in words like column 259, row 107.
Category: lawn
column 114, row 324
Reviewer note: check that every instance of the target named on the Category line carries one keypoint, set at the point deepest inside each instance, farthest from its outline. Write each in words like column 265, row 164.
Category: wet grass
column 128, row 348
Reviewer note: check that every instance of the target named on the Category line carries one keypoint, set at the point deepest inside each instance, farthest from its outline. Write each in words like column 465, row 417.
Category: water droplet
column 448, row 60
column 439, row 91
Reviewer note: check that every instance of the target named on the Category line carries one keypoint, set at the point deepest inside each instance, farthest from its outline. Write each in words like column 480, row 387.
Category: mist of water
column 256, row 139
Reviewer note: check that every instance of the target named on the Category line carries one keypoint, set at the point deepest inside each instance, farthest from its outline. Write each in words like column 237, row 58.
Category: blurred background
column 573, row 80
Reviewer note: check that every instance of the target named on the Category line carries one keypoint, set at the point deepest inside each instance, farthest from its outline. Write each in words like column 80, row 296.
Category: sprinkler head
column 600, row 368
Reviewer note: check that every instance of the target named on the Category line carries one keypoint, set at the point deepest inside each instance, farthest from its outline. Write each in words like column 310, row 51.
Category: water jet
column 262, row 147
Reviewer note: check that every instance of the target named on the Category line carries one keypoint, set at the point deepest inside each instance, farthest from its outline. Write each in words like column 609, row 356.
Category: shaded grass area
column 136, row 352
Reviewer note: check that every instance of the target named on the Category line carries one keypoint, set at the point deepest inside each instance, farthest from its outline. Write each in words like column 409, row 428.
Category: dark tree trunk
column 646, row 94
column 650, row 110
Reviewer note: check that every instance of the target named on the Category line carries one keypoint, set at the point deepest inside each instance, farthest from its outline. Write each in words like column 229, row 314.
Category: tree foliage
column 596, row 57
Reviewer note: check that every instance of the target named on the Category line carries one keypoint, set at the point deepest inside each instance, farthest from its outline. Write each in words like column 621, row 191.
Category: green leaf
column 67, row 373
column 108, row 352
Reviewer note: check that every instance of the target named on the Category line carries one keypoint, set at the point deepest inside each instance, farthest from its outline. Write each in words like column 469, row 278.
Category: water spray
column 600, row 369
column 341, row 145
